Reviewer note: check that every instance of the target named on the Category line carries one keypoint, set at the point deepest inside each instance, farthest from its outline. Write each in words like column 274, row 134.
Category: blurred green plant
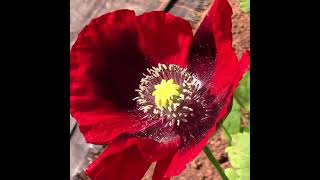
column 245, row 5
column 242, row 93
column 239, row 156
column 231, row 125
column 241, row 104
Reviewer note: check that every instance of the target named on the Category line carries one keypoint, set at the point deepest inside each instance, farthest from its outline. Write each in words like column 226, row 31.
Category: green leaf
column 232, row 122
column 243, row 91
column 244, row 173
column 231, row 174
column 239, row 156
column 245, row 129
column 245, row 5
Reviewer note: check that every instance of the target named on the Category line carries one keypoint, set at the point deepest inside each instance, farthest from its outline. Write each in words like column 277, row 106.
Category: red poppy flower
column 152, row 92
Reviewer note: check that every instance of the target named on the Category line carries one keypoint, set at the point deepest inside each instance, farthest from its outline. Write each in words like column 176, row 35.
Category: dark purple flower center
column 174, row 102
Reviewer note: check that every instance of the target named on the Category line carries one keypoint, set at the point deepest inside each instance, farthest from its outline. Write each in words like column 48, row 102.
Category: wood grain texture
column 192, row 11
column 81, row 154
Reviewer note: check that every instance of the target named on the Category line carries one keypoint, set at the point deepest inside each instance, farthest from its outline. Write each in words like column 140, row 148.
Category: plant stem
column 226, row 132
column 215, row 163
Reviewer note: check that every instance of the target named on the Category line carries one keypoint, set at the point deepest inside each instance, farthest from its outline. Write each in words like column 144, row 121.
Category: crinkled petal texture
column 107, row 62
column 129, row 158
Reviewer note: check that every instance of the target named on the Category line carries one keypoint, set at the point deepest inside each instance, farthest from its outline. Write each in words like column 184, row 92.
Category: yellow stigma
column 164, row 93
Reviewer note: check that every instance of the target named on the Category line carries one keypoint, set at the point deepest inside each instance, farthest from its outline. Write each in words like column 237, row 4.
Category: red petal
column 164, row 38
column 100, row 64
column 155, row 151
column 161, row 168
column 212, row 43
column 226, row 66
column 107, row 62
column 101, row 127
column 121, row 161
column 245, row 60
column 129, row 158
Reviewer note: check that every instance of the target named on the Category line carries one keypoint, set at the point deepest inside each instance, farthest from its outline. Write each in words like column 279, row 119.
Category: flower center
column 173, row 101
column 165, row 93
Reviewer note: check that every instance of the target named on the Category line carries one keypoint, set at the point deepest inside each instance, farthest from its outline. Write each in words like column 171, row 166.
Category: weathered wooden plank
column 191, row 10
column 81, row 154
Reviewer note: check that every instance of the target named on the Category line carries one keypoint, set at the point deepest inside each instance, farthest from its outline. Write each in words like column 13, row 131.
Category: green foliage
column 239, row 156
column 231, row 174
column 245, row 5
column 243, row 91
column 232, row 122
column 245, row 129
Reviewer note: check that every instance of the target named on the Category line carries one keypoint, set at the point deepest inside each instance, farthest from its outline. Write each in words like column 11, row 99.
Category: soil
column 240, row 28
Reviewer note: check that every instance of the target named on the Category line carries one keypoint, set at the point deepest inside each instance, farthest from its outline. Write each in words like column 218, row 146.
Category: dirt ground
column 240, row 28
column 201, row 168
